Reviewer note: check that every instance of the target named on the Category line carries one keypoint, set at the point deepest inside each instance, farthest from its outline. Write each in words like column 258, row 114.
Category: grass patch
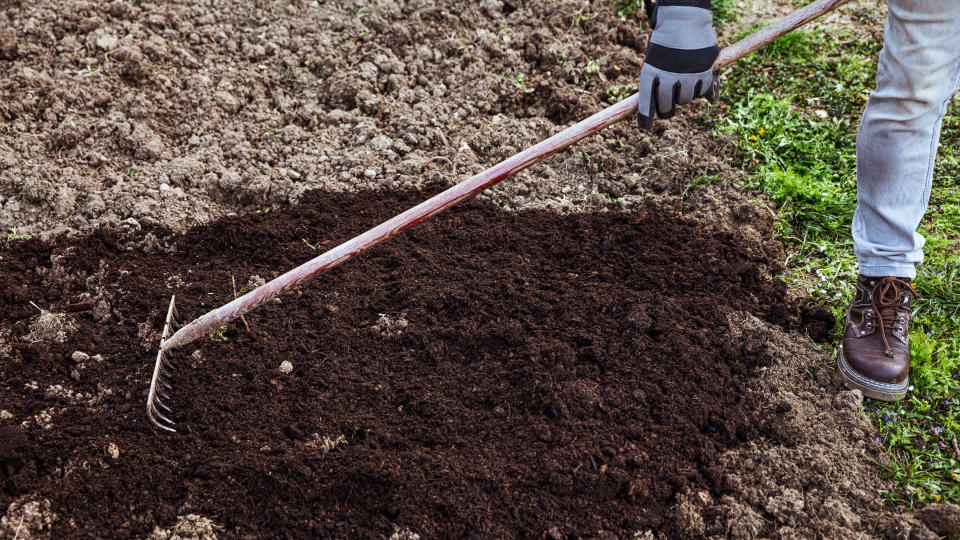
column 792, row 110
column 724, row 11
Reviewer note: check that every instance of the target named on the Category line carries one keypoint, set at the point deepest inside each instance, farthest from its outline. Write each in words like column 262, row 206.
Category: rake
column 157, row 409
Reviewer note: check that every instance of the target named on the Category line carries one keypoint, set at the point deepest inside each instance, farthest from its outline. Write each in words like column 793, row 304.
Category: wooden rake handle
column 627, row 108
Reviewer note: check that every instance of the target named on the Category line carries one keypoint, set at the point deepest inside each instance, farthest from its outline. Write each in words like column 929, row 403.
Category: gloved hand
column 680, row 55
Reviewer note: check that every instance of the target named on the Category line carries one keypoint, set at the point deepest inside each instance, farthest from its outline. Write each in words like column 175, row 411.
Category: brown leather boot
column 875, row 353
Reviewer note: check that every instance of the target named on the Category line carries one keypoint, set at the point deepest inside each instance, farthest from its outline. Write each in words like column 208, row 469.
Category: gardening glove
column 680, row 55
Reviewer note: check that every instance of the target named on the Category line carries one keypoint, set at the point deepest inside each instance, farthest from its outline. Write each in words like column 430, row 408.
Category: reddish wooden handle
column 627, row 108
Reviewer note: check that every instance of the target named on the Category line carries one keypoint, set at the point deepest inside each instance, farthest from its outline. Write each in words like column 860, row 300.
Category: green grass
column 724, row 11
column 792, row 110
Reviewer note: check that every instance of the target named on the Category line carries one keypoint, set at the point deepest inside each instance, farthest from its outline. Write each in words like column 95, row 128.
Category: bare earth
column 127, row 114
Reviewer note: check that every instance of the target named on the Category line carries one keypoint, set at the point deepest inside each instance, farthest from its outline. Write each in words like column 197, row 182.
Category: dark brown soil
column 569, row 372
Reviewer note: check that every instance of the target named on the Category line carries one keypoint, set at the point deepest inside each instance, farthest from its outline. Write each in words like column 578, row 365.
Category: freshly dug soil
column 177, row 112
column 486, row 374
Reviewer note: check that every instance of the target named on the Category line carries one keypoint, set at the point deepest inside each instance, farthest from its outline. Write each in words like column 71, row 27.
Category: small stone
column 821, row 114
column 5, row 415
column 286, row 367
column 381, row 142
column 499, row 412
column 255, row 281
column 370, row 173
column 113, row 451
column 79, row 356
column 107, row 42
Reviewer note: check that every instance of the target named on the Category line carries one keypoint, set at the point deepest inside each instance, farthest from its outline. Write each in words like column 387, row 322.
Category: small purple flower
column 886, row 418
column 880, row 439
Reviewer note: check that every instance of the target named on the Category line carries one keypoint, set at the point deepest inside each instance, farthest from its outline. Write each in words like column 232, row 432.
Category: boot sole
column 869, row 387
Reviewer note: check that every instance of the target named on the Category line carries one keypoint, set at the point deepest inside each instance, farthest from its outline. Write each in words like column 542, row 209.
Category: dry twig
column 234, row 280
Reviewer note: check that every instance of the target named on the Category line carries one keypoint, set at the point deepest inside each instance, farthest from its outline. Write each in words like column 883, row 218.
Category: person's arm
column 679, row 64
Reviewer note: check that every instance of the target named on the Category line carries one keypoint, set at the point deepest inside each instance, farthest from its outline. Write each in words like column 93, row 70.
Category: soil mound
column 488, row 373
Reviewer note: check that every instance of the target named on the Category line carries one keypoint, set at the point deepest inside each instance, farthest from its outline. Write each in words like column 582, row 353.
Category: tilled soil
column 493, row 374
column 174, row 113
column 404, row 412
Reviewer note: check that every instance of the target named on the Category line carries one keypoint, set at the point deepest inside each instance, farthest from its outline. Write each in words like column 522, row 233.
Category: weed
column 605, row 195
column 580, row 19
column 220, row 334
column 518, row 81
column 13, row 235
column 724, row 11
column 619, row 92
column 627, row 8
column 592, row 68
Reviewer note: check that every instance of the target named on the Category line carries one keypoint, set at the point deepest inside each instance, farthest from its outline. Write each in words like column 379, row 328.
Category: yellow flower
column 935, row 497
column 752, row 138
column 761, row 132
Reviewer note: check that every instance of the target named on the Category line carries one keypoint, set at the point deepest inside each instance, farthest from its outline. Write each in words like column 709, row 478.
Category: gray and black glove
column 680, row 55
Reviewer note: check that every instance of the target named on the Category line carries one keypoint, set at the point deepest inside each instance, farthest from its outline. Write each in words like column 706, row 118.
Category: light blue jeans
column 917, row 74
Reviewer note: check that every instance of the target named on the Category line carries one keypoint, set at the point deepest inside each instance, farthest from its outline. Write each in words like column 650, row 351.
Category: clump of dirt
column 51, row 327
column 573, row 374
column 174, row 113
column 27, row 519
column 189, row 527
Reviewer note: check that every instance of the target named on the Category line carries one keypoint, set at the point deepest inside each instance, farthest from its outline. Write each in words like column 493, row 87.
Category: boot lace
column 888, row 307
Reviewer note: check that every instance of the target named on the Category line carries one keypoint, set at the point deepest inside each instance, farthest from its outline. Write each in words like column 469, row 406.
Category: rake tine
column 159, row 415
column 163, row 406
column 161, row 372
column 161, row 419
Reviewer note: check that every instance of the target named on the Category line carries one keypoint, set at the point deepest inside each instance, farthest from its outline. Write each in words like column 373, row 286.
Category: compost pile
column 487, row 373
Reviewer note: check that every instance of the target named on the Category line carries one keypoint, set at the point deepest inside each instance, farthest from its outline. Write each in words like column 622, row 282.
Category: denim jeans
column 917, row 74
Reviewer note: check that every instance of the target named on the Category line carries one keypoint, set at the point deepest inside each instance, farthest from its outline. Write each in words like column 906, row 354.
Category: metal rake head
column 162, row 372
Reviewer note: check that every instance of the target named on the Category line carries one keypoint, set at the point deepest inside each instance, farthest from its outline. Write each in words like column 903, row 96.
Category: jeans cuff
column 889, row 269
